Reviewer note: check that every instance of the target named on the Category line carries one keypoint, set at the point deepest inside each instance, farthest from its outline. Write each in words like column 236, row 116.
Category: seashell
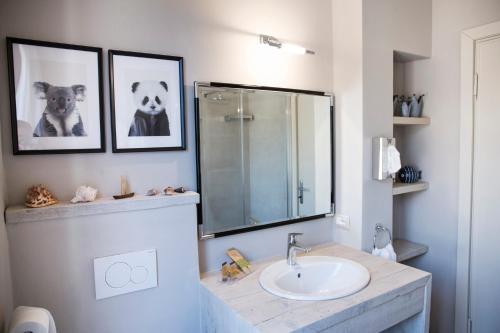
column 39, row 196
column 84, row 194
column 151, row 192
column 169, row 190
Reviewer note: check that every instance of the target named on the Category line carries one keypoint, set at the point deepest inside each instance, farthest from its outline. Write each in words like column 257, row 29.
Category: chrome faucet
column 293, row 246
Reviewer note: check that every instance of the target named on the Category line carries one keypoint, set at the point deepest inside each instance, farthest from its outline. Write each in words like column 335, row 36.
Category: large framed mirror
column 264, row 157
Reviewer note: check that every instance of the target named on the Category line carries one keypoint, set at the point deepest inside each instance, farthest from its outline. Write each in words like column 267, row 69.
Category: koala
column 61, row 116
column 150, row 118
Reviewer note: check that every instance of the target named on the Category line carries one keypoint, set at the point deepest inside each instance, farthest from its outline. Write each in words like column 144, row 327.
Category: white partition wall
column 53, row 265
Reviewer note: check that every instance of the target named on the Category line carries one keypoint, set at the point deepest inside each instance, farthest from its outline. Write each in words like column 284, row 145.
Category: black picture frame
column 113, row 107
column 10, row 42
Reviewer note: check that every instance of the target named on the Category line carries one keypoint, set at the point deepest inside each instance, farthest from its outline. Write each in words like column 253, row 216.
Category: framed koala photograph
column 56, row 97
column 147, row 102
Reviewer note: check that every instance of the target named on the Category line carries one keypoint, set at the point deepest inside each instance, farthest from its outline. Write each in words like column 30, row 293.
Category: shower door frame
column 204, row 236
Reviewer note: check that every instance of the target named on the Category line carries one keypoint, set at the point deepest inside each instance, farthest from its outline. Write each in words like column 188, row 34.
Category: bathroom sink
column 314, row 278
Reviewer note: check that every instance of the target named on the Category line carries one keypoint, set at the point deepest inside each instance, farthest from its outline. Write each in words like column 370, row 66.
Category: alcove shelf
column 407, row 250
column 405, row 121
column 401, row 188
column 407, row 131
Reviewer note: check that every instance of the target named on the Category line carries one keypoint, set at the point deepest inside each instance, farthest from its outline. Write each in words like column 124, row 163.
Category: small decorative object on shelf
column 416, row 106
column 409, row 175
column 151, row 192
column 397, row 104
column 84, row 194
column 39, row 196
column 408, row 106
column 405, row 109
column 171, row 190
column 124, row 196
column 180, row 190
column 124, row 189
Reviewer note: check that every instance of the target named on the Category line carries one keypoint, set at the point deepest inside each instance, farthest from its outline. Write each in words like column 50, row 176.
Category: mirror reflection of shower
column 222, row 97
column 215, row 96
column 264, row 156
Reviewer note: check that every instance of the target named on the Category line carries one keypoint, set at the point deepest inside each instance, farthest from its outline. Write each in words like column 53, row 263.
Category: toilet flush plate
column 125, row 273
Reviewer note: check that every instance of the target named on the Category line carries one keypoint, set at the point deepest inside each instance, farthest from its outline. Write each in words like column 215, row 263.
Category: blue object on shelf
column 405, row 109
column 416, row 106
column 409, row 175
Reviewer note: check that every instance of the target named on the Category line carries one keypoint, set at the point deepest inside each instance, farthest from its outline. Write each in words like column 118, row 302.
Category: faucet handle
column 292, row 237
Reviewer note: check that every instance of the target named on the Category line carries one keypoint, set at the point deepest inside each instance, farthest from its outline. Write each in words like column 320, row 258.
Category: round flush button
column 139, row 274
column 118, row 275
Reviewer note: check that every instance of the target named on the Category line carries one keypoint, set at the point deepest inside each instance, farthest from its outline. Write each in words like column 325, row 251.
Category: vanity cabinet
column 397, row 299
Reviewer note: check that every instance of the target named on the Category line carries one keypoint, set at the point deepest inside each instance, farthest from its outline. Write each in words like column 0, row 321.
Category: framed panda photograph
column 147, row 102
column 56, row 97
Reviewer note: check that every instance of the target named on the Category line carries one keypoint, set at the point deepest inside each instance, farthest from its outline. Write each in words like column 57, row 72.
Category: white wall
column 52, row 267
column 433, row 217
column 219, row 42
column 407, row 28
column 348, row 88
column 257, row 245
column 365, row 34
column 5, row 278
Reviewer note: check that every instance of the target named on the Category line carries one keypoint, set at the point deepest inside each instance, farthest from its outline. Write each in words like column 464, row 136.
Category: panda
column 150, row 118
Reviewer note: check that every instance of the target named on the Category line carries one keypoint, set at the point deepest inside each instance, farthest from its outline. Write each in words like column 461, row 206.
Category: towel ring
column 380, row 228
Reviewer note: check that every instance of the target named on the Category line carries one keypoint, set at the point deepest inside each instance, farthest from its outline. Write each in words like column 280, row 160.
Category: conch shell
column 39, row 196
column 84, row 194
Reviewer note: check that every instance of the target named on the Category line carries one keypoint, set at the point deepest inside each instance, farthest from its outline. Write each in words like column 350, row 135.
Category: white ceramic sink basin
column 314, row 278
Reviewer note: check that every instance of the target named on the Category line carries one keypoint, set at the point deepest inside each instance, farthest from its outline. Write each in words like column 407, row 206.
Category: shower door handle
column 301, row 189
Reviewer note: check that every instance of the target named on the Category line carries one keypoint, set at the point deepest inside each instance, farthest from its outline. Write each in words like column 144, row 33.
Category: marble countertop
column 269, row 313
column 16, row 214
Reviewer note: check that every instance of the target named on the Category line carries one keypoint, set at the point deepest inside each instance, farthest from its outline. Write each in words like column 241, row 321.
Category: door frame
column 467, row 77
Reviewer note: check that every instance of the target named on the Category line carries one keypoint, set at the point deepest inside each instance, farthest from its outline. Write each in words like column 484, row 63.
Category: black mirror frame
column 203, row 236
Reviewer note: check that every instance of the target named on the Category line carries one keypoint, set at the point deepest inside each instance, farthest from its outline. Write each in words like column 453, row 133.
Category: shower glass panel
column 264, row 157
column 245, row 157
column 222, row 132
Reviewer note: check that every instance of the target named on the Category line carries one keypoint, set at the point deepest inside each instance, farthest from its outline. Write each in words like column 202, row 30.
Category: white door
column 485, row 226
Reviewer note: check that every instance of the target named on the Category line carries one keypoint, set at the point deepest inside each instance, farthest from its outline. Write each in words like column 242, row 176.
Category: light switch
column 343, row 221
column 125, row 273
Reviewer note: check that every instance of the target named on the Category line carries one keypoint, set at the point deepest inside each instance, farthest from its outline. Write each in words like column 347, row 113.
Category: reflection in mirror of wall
column 264, row 157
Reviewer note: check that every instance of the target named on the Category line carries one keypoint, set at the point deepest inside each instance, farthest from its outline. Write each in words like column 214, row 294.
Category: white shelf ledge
column 406, row 250
column 17, row 214
column 404, row 121
column 401, row 188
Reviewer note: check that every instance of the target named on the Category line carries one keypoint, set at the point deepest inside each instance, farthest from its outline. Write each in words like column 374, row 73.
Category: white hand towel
column 386, row 252
column 393, row 159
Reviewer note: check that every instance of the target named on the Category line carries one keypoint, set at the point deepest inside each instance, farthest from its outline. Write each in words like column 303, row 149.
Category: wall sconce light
column 291, row 48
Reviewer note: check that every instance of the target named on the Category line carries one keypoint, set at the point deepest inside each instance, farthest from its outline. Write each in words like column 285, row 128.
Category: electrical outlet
column 343, row 221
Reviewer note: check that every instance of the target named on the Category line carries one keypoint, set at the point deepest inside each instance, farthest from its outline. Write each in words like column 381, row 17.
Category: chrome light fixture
column 291, row 48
